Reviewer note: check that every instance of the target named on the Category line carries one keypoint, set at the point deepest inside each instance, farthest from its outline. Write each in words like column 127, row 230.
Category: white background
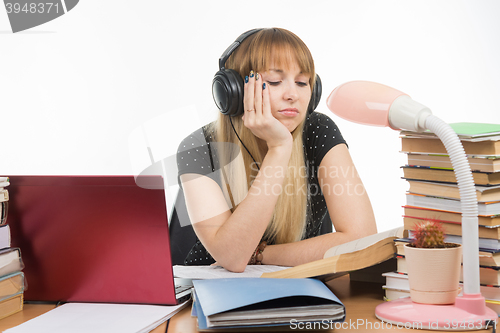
column 74, row 92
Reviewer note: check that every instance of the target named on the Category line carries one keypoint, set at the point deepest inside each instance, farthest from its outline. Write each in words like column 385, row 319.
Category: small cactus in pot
column 429, row 234
column 433, row 265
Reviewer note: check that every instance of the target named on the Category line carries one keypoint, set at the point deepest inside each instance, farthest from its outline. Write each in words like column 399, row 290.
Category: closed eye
column 273, row 83
column 302, row 84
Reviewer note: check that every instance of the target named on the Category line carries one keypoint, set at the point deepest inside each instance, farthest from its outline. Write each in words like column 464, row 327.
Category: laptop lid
column 92, row 238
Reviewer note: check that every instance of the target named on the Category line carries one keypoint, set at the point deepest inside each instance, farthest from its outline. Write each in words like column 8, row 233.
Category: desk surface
column 359, row 298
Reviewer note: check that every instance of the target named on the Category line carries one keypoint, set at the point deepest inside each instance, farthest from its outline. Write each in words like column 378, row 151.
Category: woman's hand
column 258, row 117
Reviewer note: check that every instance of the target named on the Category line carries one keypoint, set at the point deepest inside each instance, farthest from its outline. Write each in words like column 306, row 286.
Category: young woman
column 270, row 174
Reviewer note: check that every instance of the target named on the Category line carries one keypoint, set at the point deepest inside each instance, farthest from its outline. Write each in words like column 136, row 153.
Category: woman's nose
column 290, row 92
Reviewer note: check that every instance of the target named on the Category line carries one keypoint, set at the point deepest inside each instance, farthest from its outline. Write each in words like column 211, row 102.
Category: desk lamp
column 375, row 104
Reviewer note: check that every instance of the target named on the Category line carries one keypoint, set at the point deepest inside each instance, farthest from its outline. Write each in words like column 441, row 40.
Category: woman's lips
column 292, row 112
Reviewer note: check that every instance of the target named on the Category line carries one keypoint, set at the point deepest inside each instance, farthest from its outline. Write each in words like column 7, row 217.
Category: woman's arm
column 232, row 238
column 349, row 206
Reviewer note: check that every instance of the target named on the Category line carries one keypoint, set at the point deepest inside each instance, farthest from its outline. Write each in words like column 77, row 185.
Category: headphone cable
column 231, row 121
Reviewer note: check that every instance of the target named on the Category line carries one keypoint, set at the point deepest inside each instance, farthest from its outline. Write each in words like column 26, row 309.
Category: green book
column 474, row 130
column 465, row 130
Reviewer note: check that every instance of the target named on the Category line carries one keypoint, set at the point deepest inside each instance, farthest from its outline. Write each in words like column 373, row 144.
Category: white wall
column 74, row 90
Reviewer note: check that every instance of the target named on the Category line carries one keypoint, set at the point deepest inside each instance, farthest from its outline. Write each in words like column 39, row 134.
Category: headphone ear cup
column 315, row 95
column 227, row 91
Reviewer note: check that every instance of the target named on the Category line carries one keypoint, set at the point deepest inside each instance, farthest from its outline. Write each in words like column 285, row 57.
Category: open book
column 358, row 254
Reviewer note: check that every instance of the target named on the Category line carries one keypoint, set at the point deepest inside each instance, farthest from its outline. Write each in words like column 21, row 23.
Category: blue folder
column 214, row 297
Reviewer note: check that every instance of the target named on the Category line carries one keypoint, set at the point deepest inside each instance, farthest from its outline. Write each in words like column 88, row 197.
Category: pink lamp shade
column 371, row 109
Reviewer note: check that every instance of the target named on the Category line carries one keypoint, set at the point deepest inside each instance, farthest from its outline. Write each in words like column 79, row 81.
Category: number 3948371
column 32, row 8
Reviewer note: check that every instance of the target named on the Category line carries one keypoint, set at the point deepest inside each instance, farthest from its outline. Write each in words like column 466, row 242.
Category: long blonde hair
column 255, row 53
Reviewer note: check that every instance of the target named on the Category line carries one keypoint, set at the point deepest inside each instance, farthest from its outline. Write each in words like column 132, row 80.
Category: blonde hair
column 255, row 53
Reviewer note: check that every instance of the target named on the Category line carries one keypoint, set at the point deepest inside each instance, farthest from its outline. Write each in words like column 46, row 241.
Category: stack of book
column 433, row 195
column 12, row 281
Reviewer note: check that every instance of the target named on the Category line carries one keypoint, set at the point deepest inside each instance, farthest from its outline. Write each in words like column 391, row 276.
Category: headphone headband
column 223, row 58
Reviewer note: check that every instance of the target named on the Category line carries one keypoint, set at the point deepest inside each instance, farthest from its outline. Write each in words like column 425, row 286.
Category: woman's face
column 290, row 92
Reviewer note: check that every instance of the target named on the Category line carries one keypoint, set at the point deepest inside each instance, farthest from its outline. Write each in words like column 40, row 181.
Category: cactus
column 429, row 234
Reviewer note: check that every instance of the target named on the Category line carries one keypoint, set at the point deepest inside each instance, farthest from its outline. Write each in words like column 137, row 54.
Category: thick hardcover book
column 450, row 205
column 11, row 305
column 483, row 163
column 435, row 146
column 10, row 261
column 351, row 256
column 447, row 190
column 4, row 235
column 258, row 302
column 11, row 284
column 485, row 244
column 442, row 215
column 434, row 174
column 466, row 131
column 453, row 228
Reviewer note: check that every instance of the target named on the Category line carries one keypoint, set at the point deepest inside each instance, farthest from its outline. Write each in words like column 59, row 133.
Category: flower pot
column 433, row 273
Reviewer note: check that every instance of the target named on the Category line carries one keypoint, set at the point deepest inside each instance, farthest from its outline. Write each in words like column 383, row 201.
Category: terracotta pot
column 433, row 274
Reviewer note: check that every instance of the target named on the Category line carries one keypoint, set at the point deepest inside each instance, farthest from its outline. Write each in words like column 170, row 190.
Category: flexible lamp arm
column 375, row 104
column 468, row 201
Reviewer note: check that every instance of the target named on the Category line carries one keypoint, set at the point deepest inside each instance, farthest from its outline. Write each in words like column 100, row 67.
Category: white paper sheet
column 218, row 272
column 97, row 318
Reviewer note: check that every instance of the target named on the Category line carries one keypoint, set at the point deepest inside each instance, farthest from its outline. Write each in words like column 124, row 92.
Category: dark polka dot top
column 197, row 154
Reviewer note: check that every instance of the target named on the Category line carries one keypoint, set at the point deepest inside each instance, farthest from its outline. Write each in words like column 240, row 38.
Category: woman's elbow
column 235, row 266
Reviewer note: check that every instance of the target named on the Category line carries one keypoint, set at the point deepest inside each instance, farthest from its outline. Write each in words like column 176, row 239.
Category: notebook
column 256, row 302
column 93, row 239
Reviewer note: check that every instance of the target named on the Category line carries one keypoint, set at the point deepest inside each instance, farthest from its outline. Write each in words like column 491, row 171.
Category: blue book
column 263, row 302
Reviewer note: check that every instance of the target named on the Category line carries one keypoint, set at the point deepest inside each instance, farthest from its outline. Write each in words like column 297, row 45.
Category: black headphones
column 227, row 85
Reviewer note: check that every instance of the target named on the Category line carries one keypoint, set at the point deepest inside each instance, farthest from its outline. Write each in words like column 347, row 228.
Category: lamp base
column 405, row 313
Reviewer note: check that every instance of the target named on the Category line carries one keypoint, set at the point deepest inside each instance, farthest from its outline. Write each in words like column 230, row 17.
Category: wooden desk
column 359, row 298
column 30, row 311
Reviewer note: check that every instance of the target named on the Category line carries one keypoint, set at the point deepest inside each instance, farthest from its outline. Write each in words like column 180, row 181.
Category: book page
column 363, row 243
column 218, row 272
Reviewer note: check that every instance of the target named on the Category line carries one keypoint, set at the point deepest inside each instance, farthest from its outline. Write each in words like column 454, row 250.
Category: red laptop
column 92, row 238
